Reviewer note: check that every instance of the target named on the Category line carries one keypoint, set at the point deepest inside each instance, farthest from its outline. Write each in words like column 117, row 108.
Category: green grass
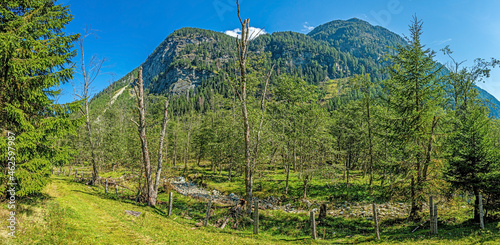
column 332, row 87
column 271, row 183
column 454, row 225
column 72, row 213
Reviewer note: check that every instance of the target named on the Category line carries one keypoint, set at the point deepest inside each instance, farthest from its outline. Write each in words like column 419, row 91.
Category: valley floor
column 73, row 213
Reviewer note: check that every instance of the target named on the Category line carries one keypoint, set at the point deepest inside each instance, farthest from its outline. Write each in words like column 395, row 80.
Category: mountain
column 358, row 38
column 493, row 103
column 192, row 58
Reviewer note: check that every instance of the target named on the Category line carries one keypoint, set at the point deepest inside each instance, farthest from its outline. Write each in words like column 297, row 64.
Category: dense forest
column 347, row 113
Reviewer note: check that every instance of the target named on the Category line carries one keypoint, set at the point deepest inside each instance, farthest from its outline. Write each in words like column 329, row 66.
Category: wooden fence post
column 106, row 186
column 256, row 218
column 375, row 218
column 313, row 226
column 209, row 205
column 81, row 177
column 170, row 199
column 435, row 219
column 69, row 172
column 99, row 183
column 116, row 190
column 76, row 173
column 431, row 215
column 481, row 220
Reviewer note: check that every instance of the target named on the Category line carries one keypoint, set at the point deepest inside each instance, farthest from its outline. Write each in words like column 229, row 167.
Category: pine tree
column 35, row 55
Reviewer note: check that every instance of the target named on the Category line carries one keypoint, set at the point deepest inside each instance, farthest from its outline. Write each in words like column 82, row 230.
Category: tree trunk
column 248, row 163
column 287, row 177
column 229, row 170
column 174, row 152
column 242, row 44
column 186, row 154
column 322, row 212
column 160, row 155
column 305, row 178
column 347, row 168
column 414, row 207
column 476, row 205
column 86, row 87
column 142, row 135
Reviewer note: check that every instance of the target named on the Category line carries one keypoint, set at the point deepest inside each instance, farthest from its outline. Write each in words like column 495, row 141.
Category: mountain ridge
column 190, row 57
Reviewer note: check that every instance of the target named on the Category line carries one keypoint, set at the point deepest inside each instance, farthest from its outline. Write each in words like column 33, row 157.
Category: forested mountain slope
column 191, row 58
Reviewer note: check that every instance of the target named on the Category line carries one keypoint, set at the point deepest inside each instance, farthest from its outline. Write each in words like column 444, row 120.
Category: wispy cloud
column 441, row 42
column 254, row 32
column 307, row 27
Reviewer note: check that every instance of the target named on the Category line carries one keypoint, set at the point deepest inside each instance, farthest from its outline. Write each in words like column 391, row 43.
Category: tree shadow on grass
column 446, row 232
column 28, row 203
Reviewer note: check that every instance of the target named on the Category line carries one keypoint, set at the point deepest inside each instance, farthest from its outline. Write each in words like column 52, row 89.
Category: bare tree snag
column 151, row 188
column 241, row 92
column 160, row 155
column 89, row 74
column 141, row 126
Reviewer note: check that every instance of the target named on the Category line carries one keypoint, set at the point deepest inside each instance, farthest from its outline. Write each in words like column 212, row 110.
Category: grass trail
column 73, row 213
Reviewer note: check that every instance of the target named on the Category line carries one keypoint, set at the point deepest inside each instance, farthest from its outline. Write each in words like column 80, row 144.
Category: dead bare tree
column 241, row 92
column 151, row 188
column 89, row 73
column 160, row 154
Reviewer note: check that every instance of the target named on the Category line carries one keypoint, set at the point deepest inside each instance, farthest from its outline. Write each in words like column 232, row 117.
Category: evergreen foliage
column 35, row 55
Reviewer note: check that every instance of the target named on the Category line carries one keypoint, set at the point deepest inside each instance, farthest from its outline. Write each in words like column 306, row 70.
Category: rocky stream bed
column 346, row 209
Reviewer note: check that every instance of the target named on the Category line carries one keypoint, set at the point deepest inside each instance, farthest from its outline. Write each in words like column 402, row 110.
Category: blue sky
column 128, row 31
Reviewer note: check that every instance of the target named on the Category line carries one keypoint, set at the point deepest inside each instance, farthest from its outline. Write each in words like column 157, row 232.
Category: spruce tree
column 35, row 57
column 471, row 152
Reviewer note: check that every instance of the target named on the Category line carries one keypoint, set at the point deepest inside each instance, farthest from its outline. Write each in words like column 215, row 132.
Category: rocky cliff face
column 162, row 74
